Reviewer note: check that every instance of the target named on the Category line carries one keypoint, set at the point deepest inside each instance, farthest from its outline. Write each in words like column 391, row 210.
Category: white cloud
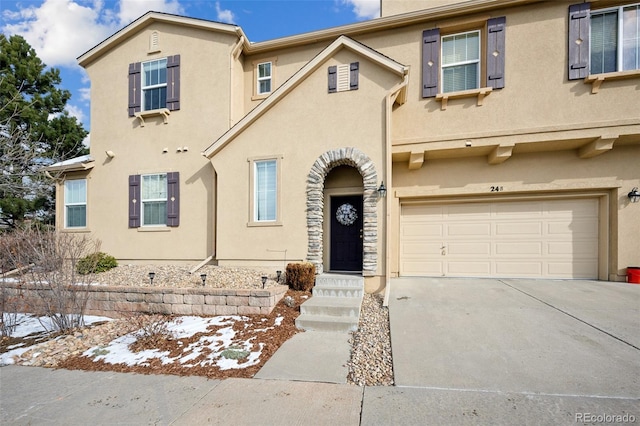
column 62, row 30
column 85, row 94
column 131, row 10
column 75, row 111
column 364, row 9
column 225, row 15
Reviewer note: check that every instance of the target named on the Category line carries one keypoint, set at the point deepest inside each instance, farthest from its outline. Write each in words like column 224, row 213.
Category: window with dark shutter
column 430, row 62
column 135, row 88
column 173, row 82
column 333, row 79
column 134, row 201
column 495, row 52
column 173, row 199
column 579, row 40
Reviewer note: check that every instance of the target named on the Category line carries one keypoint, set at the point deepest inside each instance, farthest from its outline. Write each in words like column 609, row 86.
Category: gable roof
column 341, row 42
column 148, row 19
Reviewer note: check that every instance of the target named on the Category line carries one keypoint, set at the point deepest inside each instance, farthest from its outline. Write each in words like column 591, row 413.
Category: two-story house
column 477, row 138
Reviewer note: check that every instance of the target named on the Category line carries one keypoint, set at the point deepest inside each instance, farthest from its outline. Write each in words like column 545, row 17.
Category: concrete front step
column 332, row 306
column 335, row 305
column 327, row 323
column 339, row 280
column 337, row 292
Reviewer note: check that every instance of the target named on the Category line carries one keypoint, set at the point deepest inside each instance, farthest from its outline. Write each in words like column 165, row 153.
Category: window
column 461, row 62
column 75, row 203
column 264, row 78
column 154, row 200
column 615, row 39
column 265, row 191
column 464, row 61
column 154, row 84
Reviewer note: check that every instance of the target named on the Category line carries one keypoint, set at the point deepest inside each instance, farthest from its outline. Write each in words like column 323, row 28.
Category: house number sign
column 346, row 214
column 496, row 188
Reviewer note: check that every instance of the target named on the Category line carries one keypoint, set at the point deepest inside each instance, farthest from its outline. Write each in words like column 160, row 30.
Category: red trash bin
column 633, row 274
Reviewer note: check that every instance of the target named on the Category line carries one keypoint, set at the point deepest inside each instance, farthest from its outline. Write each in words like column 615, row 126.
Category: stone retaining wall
column 117, row 301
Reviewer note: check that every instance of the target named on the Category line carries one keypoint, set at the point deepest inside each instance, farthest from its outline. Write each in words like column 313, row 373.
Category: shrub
column 301, row 276
column 96, row 262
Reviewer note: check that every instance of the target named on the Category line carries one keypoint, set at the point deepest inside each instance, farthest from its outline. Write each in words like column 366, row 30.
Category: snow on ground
column 30, row 326
column 221, row 348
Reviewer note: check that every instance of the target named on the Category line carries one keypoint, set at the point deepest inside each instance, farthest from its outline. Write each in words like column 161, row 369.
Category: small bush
column 96, row 262
column 301, row 276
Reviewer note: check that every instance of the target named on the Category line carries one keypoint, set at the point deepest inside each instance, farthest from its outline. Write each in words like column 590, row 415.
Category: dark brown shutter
column 495, row 52
column 579, row 22
column 430, row 62
column 134, row 201
column 333, row 79
column 353, row 77
column 173, row 199
column 173, row 82
column 135, row 89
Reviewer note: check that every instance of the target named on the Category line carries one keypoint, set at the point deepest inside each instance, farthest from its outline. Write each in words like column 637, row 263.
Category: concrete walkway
column 465, row 352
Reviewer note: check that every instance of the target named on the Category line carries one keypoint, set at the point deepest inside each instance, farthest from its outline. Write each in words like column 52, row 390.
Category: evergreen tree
column 35, row 130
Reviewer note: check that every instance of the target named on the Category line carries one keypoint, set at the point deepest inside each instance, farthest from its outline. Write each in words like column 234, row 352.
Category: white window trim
column 144, row 87
column 66, row 225
column 257, row 95
column 268, row 78
column 252, row 191
column 151, row 200
column 619, row 39
column 454, row 64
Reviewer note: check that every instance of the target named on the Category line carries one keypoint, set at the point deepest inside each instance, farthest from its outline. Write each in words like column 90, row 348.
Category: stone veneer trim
column 315, row 205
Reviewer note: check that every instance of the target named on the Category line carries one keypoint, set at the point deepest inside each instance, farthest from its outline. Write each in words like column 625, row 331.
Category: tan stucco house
column 505, row 132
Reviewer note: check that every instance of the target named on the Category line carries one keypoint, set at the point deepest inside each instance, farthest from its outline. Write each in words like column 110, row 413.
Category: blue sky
column 62, row 30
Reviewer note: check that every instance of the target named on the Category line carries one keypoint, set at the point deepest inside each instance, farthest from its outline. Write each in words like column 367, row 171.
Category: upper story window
column 154, row 84
column 264, row 78
column 615, row 39
column 461, row 61
column 464, row 61
column 75, row 203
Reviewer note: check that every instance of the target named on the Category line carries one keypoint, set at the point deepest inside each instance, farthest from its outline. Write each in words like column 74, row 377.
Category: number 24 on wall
column 496, row 188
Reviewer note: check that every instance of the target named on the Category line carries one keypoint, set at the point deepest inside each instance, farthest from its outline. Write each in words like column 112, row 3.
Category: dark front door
column 346, row 233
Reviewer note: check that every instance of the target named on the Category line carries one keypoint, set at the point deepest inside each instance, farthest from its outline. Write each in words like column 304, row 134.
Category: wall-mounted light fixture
column 634, row 195
column 110, row 154
column 382, row 190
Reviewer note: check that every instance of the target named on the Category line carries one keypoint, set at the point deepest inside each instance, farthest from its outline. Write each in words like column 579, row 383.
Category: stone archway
column 315, row 205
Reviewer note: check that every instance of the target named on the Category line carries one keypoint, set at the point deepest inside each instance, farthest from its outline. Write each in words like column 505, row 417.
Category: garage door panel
column 583, row 249
column 516, row 249
column 466, row 268
column 429, row 230
column 476, row 229
column 519, row 269
column 519, row 228
column 540, row 238
column 469, row 248
column 421, row 249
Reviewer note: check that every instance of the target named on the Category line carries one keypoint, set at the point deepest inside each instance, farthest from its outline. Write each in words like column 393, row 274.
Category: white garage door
column 545, row 239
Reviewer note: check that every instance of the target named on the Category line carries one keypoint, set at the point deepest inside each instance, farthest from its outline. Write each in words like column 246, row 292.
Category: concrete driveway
column 572, row 345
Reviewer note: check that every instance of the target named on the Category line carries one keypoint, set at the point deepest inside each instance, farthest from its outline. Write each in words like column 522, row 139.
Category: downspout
column 391, row 99
column 235, row 54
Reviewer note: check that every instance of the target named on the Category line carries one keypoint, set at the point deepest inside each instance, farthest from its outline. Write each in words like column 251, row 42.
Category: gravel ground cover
column 370, row 364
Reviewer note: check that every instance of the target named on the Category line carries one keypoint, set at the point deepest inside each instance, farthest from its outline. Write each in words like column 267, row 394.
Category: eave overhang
column 78, row 164
column 148, row 19
column 341, row 42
